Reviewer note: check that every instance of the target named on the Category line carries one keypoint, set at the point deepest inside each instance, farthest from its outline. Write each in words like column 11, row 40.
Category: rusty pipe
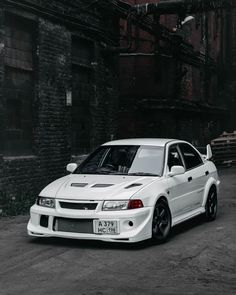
column 183, row 6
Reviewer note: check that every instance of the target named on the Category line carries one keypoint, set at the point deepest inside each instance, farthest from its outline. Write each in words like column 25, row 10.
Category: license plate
column 106, row 227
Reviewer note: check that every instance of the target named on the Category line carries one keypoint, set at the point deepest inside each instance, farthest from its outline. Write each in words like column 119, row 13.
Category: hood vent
column 79, row 184
column 102, row 185
column 133, row 185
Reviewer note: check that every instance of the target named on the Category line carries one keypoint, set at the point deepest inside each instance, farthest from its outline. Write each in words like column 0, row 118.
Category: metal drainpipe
column 180, row 6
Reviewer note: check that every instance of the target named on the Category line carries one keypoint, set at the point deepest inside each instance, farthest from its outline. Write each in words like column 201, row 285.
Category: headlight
column 46, row 202
column 115, row 205
column 122, row 205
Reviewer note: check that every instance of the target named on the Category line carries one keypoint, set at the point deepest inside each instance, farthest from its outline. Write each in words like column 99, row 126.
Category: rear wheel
column 211, row 205
column 161, row 223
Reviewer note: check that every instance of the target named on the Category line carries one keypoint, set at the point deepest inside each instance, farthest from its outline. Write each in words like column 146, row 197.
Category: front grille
column 78, row 206
column 72, row 225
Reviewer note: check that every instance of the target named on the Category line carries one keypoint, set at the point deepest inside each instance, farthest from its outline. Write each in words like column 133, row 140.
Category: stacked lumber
column 224, row 149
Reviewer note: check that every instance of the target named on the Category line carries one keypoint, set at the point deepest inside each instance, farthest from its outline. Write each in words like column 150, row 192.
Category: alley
column 198, row 259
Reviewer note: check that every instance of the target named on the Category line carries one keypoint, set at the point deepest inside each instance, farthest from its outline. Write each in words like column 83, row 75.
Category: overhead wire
column 57, row 16
column 184, row 52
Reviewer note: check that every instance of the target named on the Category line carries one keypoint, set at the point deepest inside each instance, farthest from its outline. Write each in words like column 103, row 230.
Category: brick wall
column 1, row 74
column 159, row 90
column 228, row 67
column 22, row 176
column 54, row 76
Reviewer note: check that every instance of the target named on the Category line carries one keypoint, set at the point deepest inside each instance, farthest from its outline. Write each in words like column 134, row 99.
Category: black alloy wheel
column 211, row 205
column 161, row 223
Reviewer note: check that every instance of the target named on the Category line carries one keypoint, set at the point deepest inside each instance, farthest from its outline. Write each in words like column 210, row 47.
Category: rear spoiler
column 205, row 152
column 209, row 152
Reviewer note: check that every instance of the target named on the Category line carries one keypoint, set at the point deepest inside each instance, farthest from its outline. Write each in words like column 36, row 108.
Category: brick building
column 228, row 76
column 58, row 90
column 178, row 91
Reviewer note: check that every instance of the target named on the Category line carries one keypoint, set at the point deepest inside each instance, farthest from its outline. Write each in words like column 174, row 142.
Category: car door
column 179, row 188
column 195, row 174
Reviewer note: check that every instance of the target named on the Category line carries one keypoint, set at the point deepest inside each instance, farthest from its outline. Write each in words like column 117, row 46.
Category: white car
column 128, row 191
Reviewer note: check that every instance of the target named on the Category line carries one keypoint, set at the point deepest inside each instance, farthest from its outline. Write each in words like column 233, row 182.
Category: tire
column 211, row 205
column 161, row 222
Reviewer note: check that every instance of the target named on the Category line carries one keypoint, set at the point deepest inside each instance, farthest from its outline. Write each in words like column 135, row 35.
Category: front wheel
column 161, row 223
column 211, row 205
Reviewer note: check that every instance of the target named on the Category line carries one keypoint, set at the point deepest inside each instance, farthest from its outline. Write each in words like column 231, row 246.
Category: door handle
column 207, row 172
column 190, row 179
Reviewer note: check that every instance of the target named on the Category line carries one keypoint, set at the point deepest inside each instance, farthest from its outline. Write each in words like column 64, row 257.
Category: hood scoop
column 79, row 184
column 133, row 185
column 102, row 185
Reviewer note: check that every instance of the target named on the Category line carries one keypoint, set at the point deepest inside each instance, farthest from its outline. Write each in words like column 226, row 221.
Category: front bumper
column 134, row 224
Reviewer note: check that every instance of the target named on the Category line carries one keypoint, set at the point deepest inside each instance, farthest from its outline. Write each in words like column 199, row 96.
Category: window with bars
column 18, row 85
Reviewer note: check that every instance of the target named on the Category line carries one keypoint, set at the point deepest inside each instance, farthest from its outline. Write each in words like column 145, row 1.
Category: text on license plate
column 106, row 227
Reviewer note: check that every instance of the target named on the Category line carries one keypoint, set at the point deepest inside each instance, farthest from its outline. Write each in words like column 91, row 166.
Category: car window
column 92, row 163
column 191, row 157
column 148, row 160
column 119, row 158
column 174, row 158
column 126, row 160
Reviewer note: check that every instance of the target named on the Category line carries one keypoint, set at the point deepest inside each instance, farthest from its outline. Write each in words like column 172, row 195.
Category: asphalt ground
column 200, row 258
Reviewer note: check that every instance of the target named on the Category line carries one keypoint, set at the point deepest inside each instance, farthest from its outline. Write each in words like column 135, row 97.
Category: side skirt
column 181, row 218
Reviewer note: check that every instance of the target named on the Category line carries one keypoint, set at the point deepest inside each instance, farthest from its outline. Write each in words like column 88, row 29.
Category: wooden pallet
column 224, row 149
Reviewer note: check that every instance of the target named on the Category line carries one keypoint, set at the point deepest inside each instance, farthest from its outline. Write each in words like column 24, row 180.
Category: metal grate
column 78, row 206
column 73, row 225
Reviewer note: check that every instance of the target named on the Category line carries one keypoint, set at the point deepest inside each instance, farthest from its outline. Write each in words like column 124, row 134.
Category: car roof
column 141, row 141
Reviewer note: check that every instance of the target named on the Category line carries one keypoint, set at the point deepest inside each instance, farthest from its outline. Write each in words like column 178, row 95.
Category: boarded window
column 18, row 86
column 18, row 44
column 82, row 56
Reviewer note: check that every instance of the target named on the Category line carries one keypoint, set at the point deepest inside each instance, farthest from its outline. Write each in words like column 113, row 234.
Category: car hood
column 96, row 187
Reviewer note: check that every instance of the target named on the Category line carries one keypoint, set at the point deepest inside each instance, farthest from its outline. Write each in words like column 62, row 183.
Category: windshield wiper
column 143, row 174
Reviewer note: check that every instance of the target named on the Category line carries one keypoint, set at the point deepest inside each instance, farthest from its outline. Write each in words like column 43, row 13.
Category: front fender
column 211, row 181
column 152, row 192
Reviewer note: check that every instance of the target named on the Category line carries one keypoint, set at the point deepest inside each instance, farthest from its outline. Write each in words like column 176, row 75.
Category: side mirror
column 71, row 167
column 176, row 170
column 209, row 152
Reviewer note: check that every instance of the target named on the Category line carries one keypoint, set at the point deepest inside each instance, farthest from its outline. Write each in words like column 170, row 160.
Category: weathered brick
column 22, row 177
column 159, row 89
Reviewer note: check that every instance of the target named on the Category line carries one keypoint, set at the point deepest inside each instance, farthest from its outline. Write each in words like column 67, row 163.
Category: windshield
column 124, row 160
